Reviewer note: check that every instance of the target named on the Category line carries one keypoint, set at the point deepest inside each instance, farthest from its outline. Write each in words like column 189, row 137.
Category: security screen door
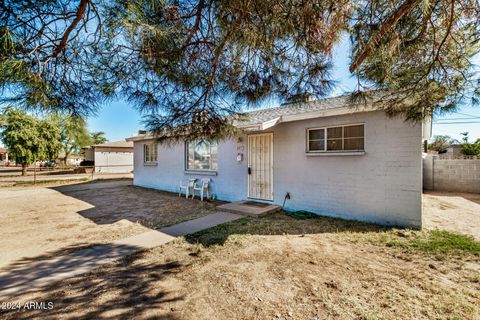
column 260, row 166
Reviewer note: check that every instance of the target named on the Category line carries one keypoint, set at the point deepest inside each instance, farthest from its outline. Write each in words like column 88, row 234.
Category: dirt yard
column 38, row 222
column 274, row 267
column 456, row 212
column 277, row 267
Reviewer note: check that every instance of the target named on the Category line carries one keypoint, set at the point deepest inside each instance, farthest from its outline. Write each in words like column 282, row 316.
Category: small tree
column 50, row 136
column 470, row 149
column 440, row 143
column 74, row 135
column 98, row 137
column 29, row 139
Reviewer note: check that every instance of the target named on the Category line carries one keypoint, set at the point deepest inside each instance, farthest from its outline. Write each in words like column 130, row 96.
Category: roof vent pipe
column 298, row 98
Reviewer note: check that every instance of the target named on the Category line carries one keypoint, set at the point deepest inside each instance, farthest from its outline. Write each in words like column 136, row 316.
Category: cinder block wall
column 458, row 175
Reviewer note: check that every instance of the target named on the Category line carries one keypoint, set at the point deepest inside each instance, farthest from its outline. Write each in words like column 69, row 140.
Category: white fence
column 456, row 174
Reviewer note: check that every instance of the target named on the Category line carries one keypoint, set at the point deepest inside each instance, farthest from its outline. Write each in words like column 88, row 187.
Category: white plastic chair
column 202, row 189
column 187, row 187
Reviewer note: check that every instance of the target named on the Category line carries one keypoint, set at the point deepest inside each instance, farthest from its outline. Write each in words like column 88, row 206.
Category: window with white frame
column 336, row 139
column 150, row 152
column 201, row 155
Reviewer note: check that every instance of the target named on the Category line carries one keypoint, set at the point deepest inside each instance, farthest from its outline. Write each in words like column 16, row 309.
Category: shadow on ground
column 123, row 289
column 280, row 223
column 119, row 200
column 24, row 273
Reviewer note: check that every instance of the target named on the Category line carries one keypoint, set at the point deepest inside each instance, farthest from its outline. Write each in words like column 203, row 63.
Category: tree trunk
column 67, row 154
column 24, row 169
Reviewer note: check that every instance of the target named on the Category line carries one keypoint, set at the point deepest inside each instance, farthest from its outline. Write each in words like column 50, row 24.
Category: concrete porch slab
column 249, row 208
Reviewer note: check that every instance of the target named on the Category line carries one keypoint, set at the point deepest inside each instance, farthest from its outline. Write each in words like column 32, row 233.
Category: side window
column 335, row 139
column 316, row 139
column 150, row 152
column 354, row 138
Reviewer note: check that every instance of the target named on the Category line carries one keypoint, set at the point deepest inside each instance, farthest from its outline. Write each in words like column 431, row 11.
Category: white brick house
column 111, row 157
column 332, row 159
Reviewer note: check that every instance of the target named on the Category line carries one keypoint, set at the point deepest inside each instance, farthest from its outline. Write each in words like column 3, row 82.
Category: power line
column 459, row 122
column 468, row 115
column 448, row 119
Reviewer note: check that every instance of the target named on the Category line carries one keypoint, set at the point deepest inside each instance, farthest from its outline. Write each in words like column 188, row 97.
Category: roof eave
column 305, row 116
column 140, row 138
column 326, row 113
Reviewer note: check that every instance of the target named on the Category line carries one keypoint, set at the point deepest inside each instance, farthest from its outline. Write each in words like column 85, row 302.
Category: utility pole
column 34, row 171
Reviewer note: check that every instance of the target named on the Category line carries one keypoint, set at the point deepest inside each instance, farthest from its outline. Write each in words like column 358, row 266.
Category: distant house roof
column 115, row 144
column 266, row 118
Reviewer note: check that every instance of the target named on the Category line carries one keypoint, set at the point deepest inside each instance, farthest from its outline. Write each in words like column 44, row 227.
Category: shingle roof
column 272, row 116
column 260, row 116
column 116, row 144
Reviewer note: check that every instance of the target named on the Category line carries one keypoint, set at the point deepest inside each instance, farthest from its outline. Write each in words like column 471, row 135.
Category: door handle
column 249, row 170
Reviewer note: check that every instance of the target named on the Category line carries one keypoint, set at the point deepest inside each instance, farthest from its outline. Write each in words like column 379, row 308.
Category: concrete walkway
column 23, row 278
column 199, row 224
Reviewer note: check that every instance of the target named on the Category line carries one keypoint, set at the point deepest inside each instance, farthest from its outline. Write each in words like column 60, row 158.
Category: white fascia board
column 251, row 127
column 140, row 138
column 271, row 123
column 325, row 113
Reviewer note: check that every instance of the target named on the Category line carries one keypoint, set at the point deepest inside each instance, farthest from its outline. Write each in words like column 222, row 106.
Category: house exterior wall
column 384, row 185
column 113, row 160
column 89, row 154
column 229, row 184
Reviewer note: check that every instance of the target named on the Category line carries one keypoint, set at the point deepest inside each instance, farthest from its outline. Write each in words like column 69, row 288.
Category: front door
column 260, row 166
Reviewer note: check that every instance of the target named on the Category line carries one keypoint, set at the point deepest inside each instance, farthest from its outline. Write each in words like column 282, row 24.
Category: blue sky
column 119, row 120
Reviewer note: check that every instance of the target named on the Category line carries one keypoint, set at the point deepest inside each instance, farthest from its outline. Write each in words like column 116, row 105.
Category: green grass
column 435, row 241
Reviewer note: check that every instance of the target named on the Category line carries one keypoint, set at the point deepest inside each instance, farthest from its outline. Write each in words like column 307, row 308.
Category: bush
column 470, row 149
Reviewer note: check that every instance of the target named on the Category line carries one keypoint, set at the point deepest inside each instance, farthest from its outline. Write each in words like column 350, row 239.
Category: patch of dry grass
column 277, row 267
column 281, row 223
column 429, row 241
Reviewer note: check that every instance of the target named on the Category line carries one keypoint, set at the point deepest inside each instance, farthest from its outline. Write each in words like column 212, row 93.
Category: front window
column 201, row 155
column 150, row 152
column 336, row 139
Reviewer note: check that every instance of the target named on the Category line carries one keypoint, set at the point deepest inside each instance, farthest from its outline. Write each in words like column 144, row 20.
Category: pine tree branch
column 78, row 17
column 386, row 27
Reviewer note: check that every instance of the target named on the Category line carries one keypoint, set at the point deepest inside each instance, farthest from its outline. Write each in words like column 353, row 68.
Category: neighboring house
column 72, row 160
column 455, row 150
column 88, row 153
column 332, row 159
column 3, row 157
column 111, row 157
